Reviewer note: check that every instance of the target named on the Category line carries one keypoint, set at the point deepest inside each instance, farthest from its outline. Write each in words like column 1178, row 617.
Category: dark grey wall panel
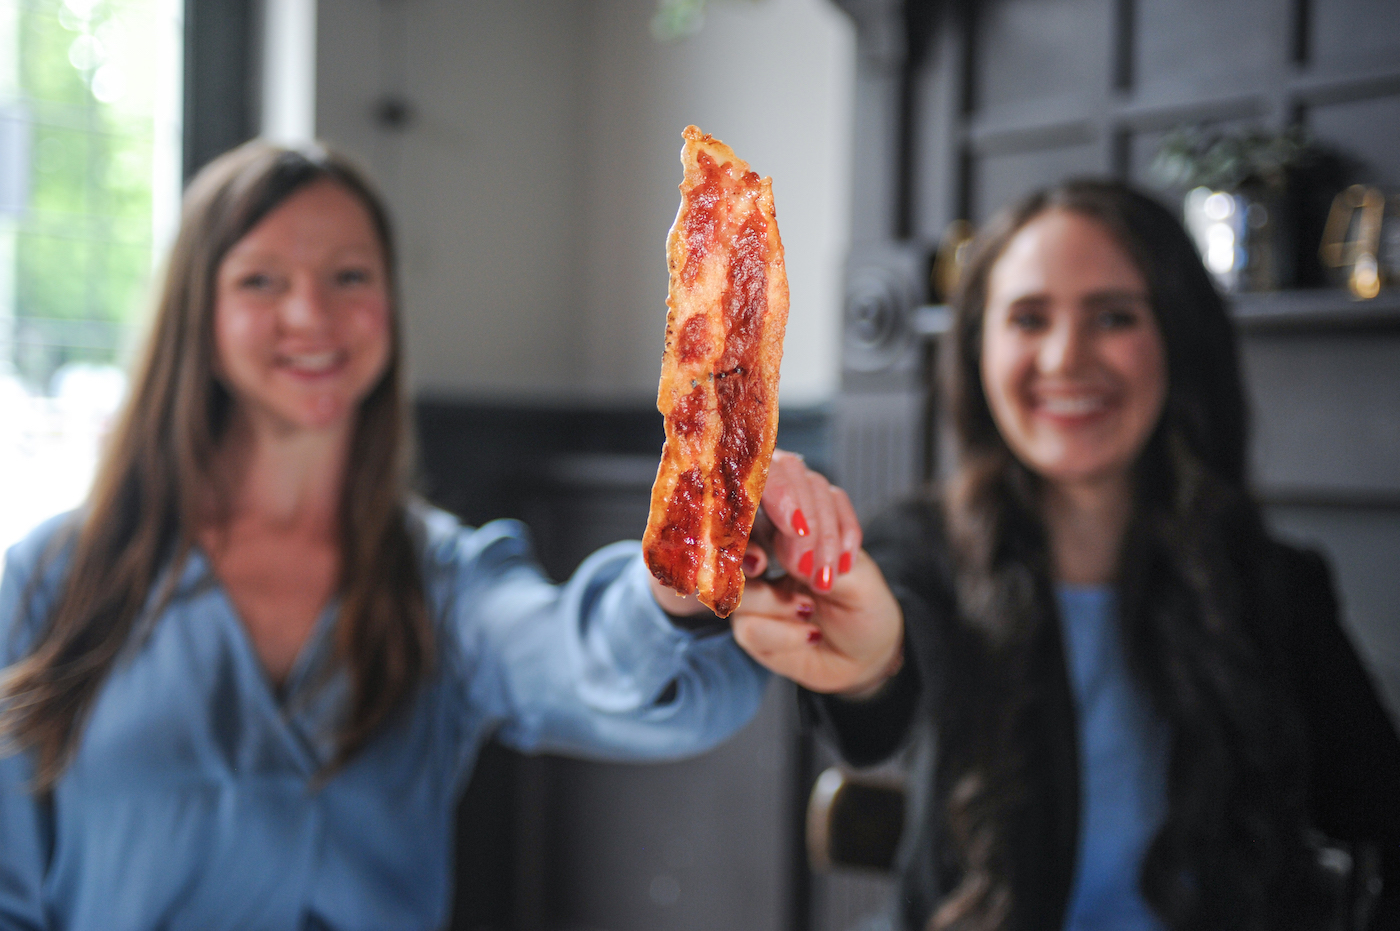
column 1178, row 38
column 880, row 458
column 693, row 846
column 1003, row 178
column 220, row 90
column 1020, row 50
column 1367, row 129
column 1327, row 412
column 1343, row 32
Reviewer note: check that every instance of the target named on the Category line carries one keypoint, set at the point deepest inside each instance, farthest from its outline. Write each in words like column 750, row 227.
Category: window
column 89, row 197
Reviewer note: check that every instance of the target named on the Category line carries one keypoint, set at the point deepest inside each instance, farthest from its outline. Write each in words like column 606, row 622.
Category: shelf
column 1320, row 309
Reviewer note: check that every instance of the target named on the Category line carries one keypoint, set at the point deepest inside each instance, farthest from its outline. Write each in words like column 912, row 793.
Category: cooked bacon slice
column 728, row 305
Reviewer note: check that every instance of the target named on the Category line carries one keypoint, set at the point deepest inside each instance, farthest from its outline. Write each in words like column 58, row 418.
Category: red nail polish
column 824, row 579
column 750, row 563
column 804, row 565
column 805, row 610
column 813, row 636
column 844, row 565
column 799, row 523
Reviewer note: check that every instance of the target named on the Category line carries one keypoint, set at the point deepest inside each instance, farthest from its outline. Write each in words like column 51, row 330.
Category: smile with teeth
column 1073, row 406
column 313, row 363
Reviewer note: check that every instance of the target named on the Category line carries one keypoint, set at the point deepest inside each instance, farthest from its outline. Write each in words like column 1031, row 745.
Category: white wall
column 773, row 79
column 535, row 184
column 482, row 182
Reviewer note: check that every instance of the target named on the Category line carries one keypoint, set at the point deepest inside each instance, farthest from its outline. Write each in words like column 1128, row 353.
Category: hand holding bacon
column 830, row 623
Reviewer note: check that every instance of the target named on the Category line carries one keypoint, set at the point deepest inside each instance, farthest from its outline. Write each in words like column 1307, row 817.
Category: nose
column 1063, row 348
column 306, row 307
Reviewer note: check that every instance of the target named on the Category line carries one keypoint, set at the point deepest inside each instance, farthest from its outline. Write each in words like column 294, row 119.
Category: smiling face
column 1073, row 364
column 301, row 314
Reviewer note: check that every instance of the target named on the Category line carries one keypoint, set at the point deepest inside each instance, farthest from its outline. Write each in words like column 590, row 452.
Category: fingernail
column 750, row 563
column 813, row 636
column 804, row 565
column 799, row 523
column 805, row 610
column 844, row 565
column 824, row 579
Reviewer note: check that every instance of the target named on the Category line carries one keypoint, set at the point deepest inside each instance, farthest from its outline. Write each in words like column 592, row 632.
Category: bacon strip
column 728, row 306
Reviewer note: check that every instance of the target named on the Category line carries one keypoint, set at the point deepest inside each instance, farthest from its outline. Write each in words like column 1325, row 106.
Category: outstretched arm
column 591, row 668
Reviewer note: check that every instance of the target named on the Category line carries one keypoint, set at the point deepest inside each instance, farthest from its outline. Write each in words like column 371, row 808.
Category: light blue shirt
column 190, row 802
column 1123, row 747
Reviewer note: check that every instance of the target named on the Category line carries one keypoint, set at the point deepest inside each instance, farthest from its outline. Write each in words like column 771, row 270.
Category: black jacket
column 1353, row 752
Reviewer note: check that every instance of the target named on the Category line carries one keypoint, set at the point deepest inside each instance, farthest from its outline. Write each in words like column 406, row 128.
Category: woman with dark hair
column 1130, row 707
column 245, row 683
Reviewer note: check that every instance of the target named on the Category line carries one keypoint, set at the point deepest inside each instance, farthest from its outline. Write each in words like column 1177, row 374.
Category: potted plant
column 1242, row 200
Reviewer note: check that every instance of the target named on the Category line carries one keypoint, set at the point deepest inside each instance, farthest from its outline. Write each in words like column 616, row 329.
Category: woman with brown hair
column 245, row 683
column 1130, row 708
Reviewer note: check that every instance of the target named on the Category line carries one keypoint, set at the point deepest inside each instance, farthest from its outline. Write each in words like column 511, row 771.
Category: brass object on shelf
column 1352, row 239
column 952, row 256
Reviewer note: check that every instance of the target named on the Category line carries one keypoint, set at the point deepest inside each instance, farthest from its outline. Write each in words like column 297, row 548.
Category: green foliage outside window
column 83, row 242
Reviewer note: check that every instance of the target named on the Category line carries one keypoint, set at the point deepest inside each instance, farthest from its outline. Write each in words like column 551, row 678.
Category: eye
column 353, row 276
column 1027, row 319
column 255, row 281
column 1118, row 318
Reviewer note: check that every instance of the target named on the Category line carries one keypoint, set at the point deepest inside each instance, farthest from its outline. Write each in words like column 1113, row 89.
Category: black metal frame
column 220, row 109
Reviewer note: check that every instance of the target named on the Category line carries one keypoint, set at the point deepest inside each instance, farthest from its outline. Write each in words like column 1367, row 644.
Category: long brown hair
column 1232, row 852
column 151, row 488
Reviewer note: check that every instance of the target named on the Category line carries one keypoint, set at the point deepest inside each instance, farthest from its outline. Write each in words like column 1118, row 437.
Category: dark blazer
column 1353, row 752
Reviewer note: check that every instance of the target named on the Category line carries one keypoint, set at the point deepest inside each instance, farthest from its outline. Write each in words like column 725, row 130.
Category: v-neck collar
column 201, row 572
column 303, row 722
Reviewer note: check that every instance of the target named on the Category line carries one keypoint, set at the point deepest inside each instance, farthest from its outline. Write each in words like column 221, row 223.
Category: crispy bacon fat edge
column 728, row 307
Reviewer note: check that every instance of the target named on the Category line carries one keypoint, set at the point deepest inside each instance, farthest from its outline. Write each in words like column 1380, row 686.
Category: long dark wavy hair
column 1233, row 852
column 151, row 491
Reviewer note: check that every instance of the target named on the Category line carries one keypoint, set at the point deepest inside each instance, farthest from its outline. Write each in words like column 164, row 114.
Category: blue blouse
column 1123, row 748
column 190, row 803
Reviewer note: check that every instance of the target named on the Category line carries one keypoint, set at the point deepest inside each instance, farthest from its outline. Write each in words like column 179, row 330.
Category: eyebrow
column 357, row 251
column 1116, row 296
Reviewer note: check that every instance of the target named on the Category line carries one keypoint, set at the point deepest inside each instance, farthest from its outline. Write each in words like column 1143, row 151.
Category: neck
column 280, row 479
column 1086, row 522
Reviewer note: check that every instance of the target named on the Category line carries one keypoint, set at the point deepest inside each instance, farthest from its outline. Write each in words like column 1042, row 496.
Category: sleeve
column 26, row 827
column 906, row 545
column 1354, row 791
column 593, row 667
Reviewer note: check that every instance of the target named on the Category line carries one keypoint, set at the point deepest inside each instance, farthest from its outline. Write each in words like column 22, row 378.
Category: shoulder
column 1295, row 570
column 913, row 521
column 446, row 546
column 909, row 542
column 1294, row 590
column 33, row 571
column 47, row 542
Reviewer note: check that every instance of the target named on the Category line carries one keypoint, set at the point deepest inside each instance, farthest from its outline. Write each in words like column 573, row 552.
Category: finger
column 771, row 640
column 851, row 535
column 755, row 560
column 786, row 494
column 798, row 551
column 826, row 537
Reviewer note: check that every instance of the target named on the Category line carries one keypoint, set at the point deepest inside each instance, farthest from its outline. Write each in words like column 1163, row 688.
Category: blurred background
column 529, row 152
